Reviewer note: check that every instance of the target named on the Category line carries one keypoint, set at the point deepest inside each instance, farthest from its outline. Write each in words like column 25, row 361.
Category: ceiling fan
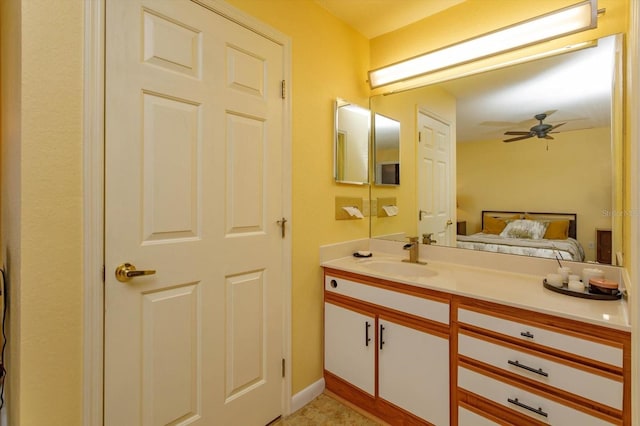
column 540, row 130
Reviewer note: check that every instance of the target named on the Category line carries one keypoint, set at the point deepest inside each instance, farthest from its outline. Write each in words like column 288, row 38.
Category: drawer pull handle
column 526, row 367
column 381, row 338
column 334, row 283
column 526, row 334
column 526, row 407
column 367, row 339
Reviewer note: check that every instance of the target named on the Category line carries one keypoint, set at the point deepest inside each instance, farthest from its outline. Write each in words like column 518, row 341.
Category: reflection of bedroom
column 574, row 176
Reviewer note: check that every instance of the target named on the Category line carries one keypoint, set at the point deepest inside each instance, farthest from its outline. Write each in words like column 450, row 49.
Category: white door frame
column 93, row 199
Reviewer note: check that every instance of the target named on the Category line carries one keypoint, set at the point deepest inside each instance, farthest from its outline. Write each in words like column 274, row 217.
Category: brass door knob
column 126, row 271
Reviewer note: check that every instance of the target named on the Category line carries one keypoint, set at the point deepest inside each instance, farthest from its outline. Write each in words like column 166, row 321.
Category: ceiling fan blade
column 555, row 127
column 548, row 137
column 517, row 139
column 517, row 133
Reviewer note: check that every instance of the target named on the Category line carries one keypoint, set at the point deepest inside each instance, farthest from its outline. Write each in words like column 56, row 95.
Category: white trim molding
column 93, row 212
column 633, row 268
column 306, row 395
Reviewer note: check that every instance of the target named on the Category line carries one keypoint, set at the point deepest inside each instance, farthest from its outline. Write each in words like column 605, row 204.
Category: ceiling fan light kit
column 572, row 19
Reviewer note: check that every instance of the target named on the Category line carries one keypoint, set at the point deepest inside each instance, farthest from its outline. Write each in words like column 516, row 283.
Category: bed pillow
column 525, row 229
column 495, row 225
column 557, row 230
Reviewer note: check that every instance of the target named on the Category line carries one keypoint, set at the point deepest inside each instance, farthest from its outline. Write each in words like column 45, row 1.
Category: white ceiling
column 575, row 86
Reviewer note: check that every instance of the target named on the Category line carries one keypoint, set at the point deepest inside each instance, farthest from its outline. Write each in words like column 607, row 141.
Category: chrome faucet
column 414, row 251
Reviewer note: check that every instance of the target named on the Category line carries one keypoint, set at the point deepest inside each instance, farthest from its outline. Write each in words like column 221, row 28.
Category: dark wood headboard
column 571, row 217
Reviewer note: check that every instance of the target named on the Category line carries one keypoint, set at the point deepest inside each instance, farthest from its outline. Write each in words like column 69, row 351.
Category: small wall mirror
column 386, row 143
column 351, row 146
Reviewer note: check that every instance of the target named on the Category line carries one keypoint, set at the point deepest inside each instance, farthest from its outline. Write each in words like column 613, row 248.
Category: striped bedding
column 569, row 249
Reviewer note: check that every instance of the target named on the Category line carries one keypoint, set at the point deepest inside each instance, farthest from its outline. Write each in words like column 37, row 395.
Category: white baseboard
column 306, row 395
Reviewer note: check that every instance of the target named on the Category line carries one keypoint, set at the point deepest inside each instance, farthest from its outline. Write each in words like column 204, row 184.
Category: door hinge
column 281, row 223
column 103, row 273
column 283, row 364
column 419, row 136
column 283, row 89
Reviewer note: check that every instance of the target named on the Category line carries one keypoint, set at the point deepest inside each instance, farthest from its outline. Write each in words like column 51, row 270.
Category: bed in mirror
column 498, row 162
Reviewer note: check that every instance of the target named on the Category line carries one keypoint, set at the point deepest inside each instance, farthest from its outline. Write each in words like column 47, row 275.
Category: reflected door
column 193, row 190
column 435, row 206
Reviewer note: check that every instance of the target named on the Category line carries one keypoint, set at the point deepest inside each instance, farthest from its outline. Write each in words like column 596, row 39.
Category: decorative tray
column 586, row 294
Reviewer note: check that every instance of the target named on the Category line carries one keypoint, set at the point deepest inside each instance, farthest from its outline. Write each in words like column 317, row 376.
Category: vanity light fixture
column 572, row 19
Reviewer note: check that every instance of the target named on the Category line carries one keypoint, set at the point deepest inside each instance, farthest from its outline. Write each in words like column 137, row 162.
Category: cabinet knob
column 334, row 283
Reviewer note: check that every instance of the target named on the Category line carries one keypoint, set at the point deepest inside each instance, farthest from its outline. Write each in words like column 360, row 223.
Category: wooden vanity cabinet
column 387, row 348
column 411, row 355
column 521, row 367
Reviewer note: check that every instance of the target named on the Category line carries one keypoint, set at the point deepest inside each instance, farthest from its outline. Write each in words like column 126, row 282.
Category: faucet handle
column 428, row 238
column 413, row 239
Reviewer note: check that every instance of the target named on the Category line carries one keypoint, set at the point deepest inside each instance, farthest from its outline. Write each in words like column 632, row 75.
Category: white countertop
column 512, row 289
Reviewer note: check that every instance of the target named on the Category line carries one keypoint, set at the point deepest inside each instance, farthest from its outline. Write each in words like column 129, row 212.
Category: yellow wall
column 573, row 176
column 42, row 160
column 330, row 60
column 42, row 199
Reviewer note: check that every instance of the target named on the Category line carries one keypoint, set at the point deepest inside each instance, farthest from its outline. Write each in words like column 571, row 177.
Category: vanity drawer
column 575, row 345
column 592, row 386
column 414, row 305
column 469, row 418
column 528, row 403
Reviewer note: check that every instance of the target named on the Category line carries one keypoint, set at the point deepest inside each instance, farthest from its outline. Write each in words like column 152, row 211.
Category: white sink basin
column 394, row 267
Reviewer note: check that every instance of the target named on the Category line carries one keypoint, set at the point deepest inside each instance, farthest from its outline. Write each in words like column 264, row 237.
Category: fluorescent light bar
column 559, row 23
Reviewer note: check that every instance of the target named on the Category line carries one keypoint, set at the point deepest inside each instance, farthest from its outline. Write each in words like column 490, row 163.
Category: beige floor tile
column 325, row 411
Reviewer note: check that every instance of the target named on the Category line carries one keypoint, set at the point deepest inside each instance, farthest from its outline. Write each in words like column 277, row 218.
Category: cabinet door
column 413, row 371
column 349, row 346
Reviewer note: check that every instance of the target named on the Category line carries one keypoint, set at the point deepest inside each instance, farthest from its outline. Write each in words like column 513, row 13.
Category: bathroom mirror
column 577, row 172
column 351, row 143
column 386, row 150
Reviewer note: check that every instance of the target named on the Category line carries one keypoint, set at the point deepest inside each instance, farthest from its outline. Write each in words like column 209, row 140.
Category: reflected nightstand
column 603, row 246
column 461, row 227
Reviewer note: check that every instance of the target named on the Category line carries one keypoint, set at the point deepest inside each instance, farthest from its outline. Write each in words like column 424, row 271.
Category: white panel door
column 193, row 190
column 436, row 206
column 413, row 371
column 349, row 346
